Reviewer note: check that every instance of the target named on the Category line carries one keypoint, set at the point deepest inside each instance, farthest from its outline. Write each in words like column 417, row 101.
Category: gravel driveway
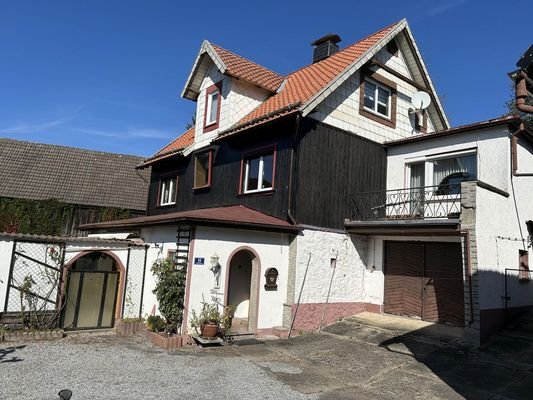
column 109, row 367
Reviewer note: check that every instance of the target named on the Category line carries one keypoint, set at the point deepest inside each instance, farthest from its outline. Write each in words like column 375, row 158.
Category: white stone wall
column 350, row 280
column 273, row 251
column 341, row 108
column 493, row 156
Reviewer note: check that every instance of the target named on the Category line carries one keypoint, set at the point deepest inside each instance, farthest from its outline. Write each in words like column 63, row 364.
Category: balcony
column 420, row 209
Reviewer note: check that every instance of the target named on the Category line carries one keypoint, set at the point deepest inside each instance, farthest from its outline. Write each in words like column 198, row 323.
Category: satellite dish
column 420, row 101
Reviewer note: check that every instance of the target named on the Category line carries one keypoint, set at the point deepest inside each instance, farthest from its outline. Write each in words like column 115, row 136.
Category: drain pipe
column 521, row 92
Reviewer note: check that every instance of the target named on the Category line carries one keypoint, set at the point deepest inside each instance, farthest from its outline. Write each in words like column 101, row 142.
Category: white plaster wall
column 238, row 99
column 161, row 239
column 6, row 249
column 341, row 108
column 273, row 251
column 492, row 149
column 350, row 280
column 524, row 157
column 499, row 240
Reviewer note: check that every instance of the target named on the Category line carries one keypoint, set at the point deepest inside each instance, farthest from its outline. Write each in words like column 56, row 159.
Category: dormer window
column 378, row 99
column 212, row 107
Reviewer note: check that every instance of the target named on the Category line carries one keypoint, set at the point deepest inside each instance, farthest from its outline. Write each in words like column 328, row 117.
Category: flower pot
column 209, row 330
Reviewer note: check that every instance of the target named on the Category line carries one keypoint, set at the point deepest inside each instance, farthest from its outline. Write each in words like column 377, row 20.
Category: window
column 377, row 98
column 523, row 267
column 258, row 173
column 448, row 173
column 202, row 170
column 167, row 193
column 212, row 107
column 171, row 255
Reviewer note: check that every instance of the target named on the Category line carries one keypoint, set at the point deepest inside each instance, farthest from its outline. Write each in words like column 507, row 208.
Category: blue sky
column 107, row 75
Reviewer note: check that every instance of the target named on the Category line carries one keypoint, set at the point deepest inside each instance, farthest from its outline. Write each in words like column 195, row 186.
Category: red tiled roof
column 300, row 86
column 247, row 70
column 174, row 147
column 231, row 215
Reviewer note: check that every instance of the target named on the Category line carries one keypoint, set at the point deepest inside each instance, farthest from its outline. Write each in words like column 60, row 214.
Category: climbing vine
column 51, row 217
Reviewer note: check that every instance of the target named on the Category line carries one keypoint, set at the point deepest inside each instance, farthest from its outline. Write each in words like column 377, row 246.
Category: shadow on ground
column 7, row 354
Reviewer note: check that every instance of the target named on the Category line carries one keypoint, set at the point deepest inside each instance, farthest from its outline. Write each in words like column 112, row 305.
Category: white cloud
column 129, row 133
column 27, row 127
column 445, row 7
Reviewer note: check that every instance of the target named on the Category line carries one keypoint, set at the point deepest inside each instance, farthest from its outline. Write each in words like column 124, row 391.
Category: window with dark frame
column 167, row 194
column 377, row 98
column 258, row 172
column 523, row 266
column 202, row 170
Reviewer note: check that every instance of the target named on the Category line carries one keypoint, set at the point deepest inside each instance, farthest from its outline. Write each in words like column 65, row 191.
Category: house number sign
column 199, row 260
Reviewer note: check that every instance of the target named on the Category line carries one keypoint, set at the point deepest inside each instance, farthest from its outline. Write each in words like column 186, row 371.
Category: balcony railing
column 428, row 202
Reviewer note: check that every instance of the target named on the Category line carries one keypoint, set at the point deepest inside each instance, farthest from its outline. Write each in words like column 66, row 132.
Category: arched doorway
column 243, row 290
column 91, row 292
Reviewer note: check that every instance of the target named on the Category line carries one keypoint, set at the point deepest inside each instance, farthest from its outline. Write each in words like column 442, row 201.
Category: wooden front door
column 424, row 280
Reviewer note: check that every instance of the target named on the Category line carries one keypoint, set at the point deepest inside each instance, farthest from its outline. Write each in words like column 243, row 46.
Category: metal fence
column 428, row 202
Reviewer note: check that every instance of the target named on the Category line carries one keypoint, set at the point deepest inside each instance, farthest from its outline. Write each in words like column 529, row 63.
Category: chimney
column 325, row 46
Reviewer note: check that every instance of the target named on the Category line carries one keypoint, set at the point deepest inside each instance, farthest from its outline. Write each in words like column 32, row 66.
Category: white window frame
column 428, row 160
column 260, row 174
column 376, row 98
column 173, row 183
column 208, row 122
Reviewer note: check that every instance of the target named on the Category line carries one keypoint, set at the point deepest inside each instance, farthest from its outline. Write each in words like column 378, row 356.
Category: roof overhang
column 231, row 216
column 404, row 227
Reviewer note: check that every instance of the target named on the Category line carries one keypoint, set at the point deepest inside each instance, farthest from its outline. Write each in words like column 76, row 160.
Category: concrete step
column 281, row 332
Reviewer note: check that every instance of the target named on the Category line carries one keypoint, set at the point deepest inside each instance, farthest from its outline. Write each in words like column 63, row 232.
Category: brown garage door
column 424, row 280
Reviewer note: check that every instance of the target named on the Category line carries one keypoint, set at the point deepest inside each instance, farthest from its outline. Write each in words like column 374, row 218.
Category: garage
column 424, row 280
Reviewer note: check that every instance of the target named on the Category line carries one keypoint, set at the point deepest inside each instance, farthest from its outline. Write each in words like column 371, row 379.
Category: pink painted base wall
column 309, row 315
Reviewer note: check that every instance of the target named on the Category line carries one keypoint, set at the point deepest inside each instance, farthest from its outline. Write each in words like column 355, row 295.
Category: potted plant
column 207, row 322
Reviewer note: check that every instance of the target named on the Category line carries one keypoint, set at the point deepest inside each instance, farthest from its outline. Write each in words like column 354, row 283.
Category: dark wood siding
column 224, row 189
column 331, row 165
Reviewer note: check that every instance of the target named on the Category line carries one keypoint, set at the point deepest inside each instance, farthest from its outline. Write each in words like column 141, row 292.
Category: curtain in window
column 464, row 167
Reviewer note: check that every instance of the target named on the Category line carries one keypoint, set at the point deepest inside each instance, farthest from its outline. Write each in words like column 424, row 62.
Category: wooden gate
column 424, row 280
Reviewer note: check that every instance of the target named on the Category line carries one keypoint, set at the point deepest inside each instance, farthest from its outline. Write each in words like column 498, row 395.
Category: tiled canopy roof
column 38, row 171
column 237, row 215
column 247, row 70
column 173, row 148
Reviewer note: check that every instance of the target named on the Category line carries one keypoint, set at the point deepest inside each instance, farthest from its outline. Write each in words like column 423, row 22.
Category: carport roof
column 232, row 216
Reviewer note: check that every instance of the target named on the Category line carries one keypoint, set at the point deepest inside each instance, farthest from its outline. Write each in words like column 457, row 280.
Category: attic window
column 392, row 48
column 212, row 107
column 377, row 99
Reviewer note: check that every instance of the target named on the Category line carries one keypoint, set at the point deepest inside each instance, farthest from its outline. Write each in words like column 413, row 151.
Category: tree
column 191, row 123
column 510, row 106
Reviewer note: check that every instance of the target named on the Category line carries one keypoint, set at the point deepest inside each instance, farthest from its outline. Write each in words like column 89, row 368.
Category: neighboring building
column 258, row 191
column 49, row 189
column 449, row 238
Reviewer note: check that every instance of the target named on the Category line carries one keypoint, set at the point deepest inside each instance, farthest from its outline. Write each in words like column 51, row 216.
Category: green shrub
column 155, row 323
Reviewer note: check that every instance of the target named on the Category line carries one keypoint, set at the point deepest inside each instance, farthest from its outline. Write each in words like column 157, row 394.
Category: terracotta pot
column 209, row 330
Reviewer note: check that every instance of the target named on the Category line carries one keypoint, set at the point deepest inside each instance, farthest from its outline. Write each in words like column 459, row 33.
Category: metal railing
column 428, row 202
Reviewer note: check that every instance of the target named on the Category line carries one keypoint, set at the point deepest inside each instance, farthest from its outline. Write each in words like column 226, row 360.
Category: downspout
column 514, row 152
column 521, row 92
column 466, row 238
column 291, row 218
